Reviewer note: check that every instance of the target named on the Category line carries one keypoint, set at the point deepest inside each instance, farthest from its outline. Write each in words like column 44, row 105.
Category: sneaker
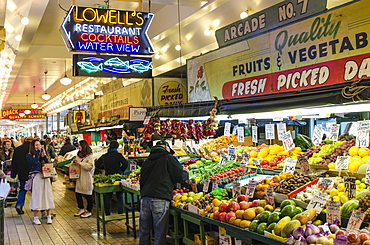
column 49, row 221
column 86, row 215
column 44, row 216
column 36, row 221
column 19, row 210
column 80, row 212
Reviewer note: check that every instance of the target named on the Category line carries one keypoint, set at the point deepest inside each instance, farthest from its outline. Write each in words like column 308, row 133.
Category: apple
column 341, row 232
column 222, row 216
column 216, row 214
column 244, row 205
column 233, row 206
column 364, row 237
column 229, row 215
column 254, row 204
column 242, row 198
column 353, row 237
column 224, row 207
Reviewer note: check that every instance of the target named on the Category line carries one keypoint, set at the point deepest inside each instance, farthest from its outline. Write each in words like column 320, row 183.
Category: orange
column 216, row 202
column 215, row 208
column 276, row 178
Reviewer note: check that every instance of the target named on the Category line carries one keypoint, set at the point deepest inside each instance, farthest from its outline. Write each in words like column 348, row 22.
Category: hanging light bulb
column 178, row 47
column 34, row 105
column 65, row 80
column 244, row 14
column 22, row 114
column 45, row 96
column 27, row 111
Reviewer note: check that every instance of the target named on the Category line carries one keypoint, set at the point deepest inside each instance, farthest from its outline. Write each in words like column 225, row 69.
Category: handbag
column 4, row 188
column 29, row 182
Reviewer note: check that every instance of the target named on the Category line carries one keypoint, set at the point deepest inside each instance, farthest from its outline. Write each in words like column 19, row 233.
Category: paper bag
column 47, row 170
column 74, row 171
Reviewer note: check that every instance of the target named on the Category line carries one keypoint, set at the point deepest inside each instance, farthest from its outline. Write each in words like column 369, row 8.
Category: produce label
column 206, row 185
column 289, row 165
column 334, row 132
column 281, row 129
column 303, row 163
column 325, row 184
column 242, row 121
column 244, row 160
column 236, row 189
column 227, row 129
column 278, row 119
column 362, row 139
column 356, row 219
column 363, row 125
column 214, row 186
column 318, row 201
column 133, row 166
column 193, row 184
column 317, row 135
column 288, row 141
column 257, row 163
column 342, row 162
column 251, row 188
column 367, row 181
column 270, row 131
column 240, row 134
column 146, row 120
column 254, row 134
column 235, row 130
column 232, row 153
column 350, row 187
column 333, row 212
column 270, row 196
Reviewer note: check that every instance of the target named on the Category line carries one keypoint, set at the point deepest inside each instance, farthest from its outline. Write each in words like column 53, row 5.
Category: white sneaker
column 49, row 221
column 36, row 221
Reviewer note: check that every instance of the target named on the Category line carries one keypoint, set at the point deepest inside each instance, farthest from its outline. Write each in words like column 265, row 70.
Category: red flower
column 200, row 72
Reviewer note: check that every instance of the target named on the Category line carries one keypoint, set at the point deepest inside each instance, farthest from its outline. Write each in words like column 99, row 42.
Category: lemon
column 337, row 199
column 343, row 199
column 362, row 185
column 340, row 187
column 353, row 151
column 253, row 154
column 334, row 192
column 341, row 193
column 358, row 182
column 331, row 165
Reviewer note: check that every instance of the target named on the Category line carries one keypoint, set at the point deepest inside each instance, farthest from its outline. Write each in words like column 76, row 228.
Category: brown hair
column 32, row 148
column 86, row 150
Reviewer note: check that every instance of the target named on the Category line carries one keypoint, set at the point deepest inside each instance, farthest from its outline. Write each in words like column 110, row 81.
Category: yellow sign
column 79, row 116
column 172, row 93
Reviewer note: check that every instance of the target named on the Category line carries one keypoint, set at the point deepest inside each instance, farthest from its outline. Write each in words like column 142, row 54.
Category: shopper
column 21, row 168
column 67, row 147
column 112, row 163
column 159, row 174
column 50, row 150
column 42, row 195
column 7, row 151
column 84, row 184
column 111, row 135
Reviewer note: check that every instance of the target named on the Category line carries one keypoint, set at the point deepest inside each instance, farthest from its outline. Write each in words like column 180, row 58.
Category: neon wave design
column 114, row 65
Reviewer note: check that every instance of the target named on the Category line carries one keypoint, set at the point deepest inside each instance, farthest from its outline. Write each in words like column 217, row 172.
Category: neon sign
column 107, row 30
column 13, row 114
column 106, row 66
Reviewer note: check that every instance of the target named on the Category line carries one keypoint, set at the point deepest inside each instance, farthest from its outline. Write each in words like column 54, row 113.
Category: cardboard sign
column 289, row 165
column 227, row 129
column 244, row 160
column 317, row 135
column 325, row 184
column 303, row 164
column 356, row 219
column 350, row 187
column 270, row 196
column 254, row 134
column 251, row 188
column 133, row 166
column 288, row 141
column 281, row 129
column 270, row 131
column 206, row 185
column 334, row 132
column 333, row 212
column 367, row 181
column 240, row 134
column 236, row 189
column 362, row 139
column 342, row 162
column 318, row 201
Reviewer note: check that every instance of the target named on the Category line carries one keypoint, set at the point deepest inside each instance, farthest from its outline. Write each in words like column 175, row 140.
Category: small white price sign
column 288, row 141
column 227, row 129
column 318, row 201
column 303, row 164
column 363, row 125
column 244, row 160
column 356, row 219
column 242, row 121
column 133, row 166
column 236, row 189
column 232, row 153
column 325, row 184
column 281, row 129
column 334, row 132
column 367, row 181
column 362, row 139
column 254, row 134
column 193, row 184
column 270, row 196
column 278, row 119
column 289, row 165
column 240, row 134
column 146, row 120
column 342, row 162
column 251, row 188
column 206, row 185
column 178, row 185
column 270, row 131
column 214, row 185
column 257, row 163
column 333, row 212
column 317, row 135
column 235, row 130
column 222, row 160
column 350, row 187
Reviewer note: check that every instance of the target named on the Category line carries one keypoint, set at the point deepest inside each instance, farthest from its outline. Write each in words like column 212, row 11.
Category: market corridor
column 66, row 229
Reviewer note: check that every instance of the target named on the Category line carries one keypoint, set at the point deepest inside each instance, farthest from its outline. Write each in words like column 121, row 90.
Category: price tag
column 356, row 219
column 367, row 181
column 232, row 153
column 325, row 184
column 222, row 160
column 244, row 160
column 133, row 166
column 251, row 188
column 288, row 141
column 363, row 125
column 214, row 185
column 350, row 187
column 334, row 132
column 178, row 185
column 278, row 119
column 303, row 164
column 270, row 196
column 227, row 129
column 257, row 163
column 270, row 131
column 254, row 134
column 340, row 240
column 281, row 129
column 317, row 135
column 318, row 201
column 235, row 130
column 342, row 162
column 146, row 120
column 333, row 212
column 193, row 184
column 206, row 185
column 242, row 121
column 289, row 165
column 236, row 189
column 240, row 134
column 362, row 139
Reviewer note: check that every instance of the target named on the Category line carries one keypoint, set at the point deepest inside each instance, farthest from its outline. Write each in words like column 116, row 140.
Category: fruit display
column 269, row 183
column 134, row 176
column 325, row 149
column 228, row 175
column 203, row 171
column 107, row 179
column 294, row 182
column 215, row 144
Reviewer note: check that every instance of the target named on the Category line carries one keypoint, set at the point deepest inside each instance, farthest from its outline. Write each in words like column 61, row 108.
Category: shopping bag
column 47, row 170
column 29, row 182
column 74, row 171
column 4, row 188
column 55, row 176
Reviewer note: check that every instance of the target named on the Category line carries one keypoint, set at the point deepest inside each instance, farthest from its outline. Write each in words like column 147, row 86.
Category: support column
column 46, row 124
column 58, row 121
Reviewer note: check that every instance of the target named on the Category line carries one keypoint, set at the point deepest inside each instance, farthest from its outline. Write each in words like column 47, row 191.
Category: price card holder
column 251, row 188
column 240, row 134
column 317, row 135
column 236, row 189
column 289, row 165
column 133, row 166
column 356, row 219
column 193, row 185
column 254, row 134
column 325, row 184
column 334, row 132
column 318, row 201
column 281, row 129
column 232, row 153
column 350, row 187
column 342, row 162
column 303, row 164
column 178, row 185
column 288, row 141
column 270, row 196
column 333, row 212
column 367, row 181
column 214, row 185
column 270, row 131
column 206, row 185
column 227, row 129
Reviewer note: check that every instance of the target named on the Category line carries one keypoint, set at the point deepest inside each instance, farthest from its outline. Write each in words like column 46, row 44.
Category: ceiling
column 42, row 49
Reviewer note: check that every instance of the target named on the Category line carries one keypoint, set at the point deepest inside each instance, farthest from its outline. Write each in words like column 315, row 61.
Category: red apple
column 233, row 206
column 216, row 214
column 243, row 198
column 244, row 205
column 364, row 237
column 229, row 215
column 254, row 204
column 222, row 216
column 341, row 232
column 353, row 237
column 224, row 207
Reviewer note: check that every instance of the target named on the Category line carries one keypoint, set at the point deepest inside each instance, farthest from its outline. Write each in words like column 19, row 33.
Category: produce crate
column 281, row 197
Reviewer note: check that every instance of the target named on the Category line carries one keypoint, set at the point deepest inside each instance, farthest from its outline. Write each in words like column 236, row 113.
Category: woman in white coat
column 84, row 184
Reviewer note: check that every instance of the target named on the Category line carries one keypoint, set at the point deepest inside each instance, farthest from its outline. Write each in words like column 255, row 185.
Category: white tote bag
column 4, row 188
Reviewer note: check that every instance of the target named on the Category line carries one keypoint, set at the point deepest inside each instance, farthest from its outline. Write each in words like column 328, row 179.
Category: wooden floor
column 66, row 229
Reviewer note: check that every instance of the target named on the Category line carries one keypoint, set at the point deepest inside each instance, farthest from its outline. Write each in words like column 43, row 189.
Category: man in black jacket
column 159, row 174
column 21, row 168
column 67, row 147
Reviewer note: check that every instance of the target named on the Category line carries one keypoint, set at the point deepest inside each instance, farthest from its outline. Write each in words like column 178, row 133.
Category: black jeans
column 80, row 203
column 108, row 202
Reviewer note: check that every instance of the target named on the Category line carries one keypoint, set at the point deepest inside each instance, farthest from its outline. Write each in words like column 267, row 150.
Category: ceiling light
column 45, row 96
column 157, row 56
column 208, row 31
column 24, row 19
column 27, row 112
column 178, row 47
column 244, row 14
column 65, row 80
column 34, row 105
column 18, row 37
column 22, row 114
column 164, row 49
